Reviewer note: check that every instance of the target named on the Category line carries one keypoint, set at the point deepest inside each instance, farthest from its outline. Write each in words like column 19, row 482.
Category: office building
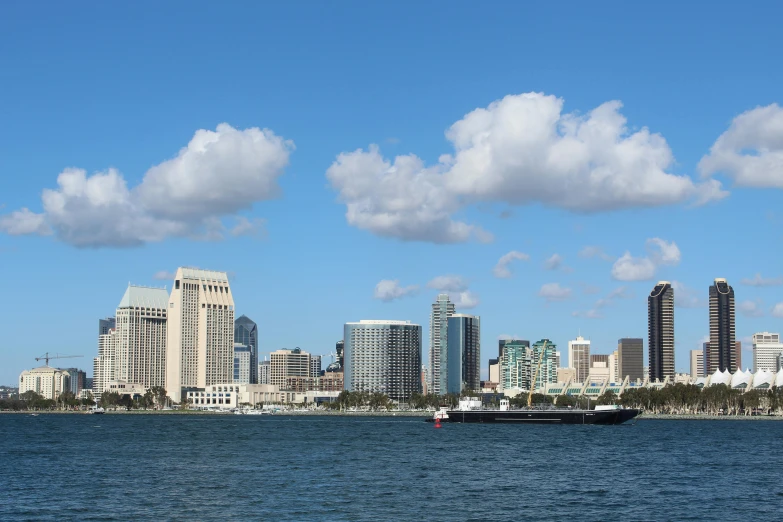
column 515, row 366
column 141, row 336
column 660, row 328
column 200, row 347
column 265, row 372
column 442, row 309
column 630, row 358
column 78, row 380
column 579, row 357
column 243, row 356
column 738, row 354
column 766, row 349
column 603, row 368
column 246, row 333
column 289, row 363
column 464, row 353
column 46, row 381
column 697, row 364
column 722, row 350
column 315, row 365
column 383, row 356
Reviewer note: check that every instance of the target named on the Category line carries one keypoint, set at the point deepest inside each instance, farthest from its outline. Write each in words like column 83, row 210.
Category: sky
column 544, row 164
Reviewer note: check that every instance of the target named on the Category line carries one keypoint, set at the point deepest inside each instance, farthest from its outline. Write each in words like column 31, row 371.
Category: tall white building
column 140, row 337
column 265, row 372
column 45, row 381
column 289, row 363
column 579, row 358
column 766, row 348
column 243, row 356
column 200, row 346
column 103, row 366
column 442, row 309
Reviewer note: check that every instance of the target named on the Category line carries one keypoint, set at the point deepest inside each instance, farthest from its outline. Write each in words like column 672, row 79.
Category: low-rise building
column 46, row 381
column 230, row 396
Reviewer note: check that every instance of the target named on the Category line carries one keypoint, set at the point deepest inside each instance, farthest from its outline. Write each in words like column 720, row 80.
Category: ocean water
column 204, row 467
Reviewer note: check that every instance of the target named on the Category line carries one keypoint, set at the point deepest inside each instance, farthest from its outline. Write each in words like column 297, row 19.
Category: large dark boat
column 470, row 410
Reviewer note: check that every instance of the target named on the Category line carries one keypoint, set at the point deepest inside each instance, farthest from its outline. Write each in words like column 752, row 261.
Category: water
column 199, row 467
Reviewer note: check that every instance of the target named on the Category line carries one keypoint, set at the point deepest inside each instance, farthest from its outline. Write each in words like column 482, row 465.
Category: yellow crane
column 46, row 357
column 535, row 375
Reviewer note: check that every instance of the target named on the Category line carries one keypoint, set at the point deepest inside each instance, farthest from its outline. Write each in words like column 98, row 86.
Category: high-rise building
column 579, row 358
column 547, row 372
column 265, row 372
column 603, row 368
column 78, row 380
column 722, row 350
column 660, row 327
column 289, row 363
column 502, row 343
column 442, row 309
column 697, row 364
column 246, row 333
column 141, row 335
column 738, row 354
column 315, row 365
column 614, row 366
column 766, row 349
column 242, row 363
column 200, row 348
column 515, row 362
column 630, row 358
column 383, row 356
column 464, row 353
column 339, row 349
column 103, row 365
column 104, row 325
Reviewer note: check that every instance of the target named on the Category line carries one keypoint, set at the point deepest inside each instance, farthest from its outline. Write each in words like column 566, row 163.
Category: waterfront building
column 383, row 356
column 766, row 350
column 697, row 364
column 602, row 368
column 140, row 337
column 289, row 363
column 722, row 349
column 246, row 333
column 315, row 365
column 579, row 357
column 78, row 380
column 548, row 369
column 265, row 372
column 103, row 366
column 227, row 396
column 660, row 327
column 134, row 390
column 464, row 353
column 442, row 309
column 243, row 356
column 200, row 345
column 515, row 362
column 46, row 381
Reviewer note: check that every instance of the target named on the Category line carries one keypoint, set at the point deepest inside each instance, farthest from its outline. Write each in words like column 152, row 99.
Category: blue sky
column 547, row 165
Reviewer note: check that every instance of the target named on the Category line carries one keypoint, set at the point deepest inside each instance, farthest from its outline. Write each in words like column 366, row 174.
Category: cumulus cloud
column 390, row 289
column 518, row 150
column 502, row 269
column 554, row 292
column 590, row 252
column 164, row 275
column 686, row 297
column 751, row 150
column 590, row 289
column 664, row 252
column 777, row 310
column 593, row 313
column 24, row 222
column 448, row 283
column 659, row 252
column 750, row 308
column 248, row 227
column 217, row 174
column 757, row 280
column 464, row 300
column 554, row 262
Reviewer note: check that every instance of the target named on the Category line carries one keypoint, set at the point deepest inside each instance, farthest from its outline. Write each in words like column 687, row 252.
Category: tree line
column 32, row 401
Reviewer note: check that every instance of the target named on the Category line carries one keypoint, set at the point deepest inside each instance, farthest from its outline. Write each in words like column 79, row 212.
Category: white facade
column 442, row 309
column 766, row 349
column 265, row 372
column 289, row 363
column 45, row 381
column 579, row 358
column 242, row 360
column 231, row 395
column 103, row 366
column 140, row 337
column 200, row 340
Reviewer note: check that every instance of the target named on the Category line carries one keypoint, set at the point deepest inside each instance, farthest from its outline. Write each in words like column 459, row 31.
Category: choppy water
column 187, row 467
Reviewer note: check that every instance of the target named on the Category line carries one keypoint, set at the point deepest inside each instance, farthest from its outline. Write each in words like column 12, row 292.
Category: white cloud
column 777, row 310
column 554, row 262
column 750, row 308
column 751, row 150
column 621, row 292
column 760, row 281
column 664, row 252
column 589, row 314
column 686, row 297
column 590, row 289
column 448, row 283
column 164, row 275
column 591, row 251
column 464, row 300
column 390, row 289
column 554, row 292
column 217, row 174
column 24, row 222
column 518, row 150
column 629, row 268
column 248, row 227
column 501, row 269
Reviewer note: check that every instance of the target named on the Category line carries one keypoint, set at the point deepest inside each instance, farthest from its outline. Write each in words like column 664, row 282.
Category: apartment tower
column 140, row 337
column 464, row 353
column 721, row 353
column 442, row 309
column 200, row 349
column 630, row 358
column 660, row 327
column 579, row 358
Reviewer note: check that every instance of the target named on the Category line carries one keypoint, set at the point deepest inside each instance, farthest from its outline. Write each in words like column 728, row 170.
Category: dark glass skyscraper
column 660, row 328
column 464, row 353
column 246, row 332
column 721, row 353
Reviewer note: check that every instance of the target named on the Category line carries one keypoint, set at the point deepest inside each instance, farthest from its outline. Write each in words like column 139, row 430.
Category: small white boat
column 97, row 411
column 33, row 415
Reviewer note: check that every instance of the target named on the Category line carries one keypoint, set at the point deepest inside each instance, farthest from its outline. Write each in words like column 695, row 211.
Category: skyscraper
column 630, row 358
column 766, row 348
column 200, row 349
column 104, row 325
column 697, row 364
column 515, row 364
column 464, row 353
column 722, row 350
column 660, row 327
column 548, row 369
column 242, row 358
column 383, row 356
column 289, row 363
column 338, row 349
column 442, row 309
column 579, row 358
column 246, row 332
column 502, row 343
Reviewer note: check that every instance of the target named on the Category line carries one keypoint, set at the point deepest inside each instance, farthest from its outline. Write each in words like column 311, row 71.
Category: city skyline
column 479, row 173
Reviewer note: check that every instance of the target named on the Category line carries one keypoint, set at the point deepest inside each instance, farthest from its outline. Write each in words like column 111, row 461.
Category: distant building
column 697, row 364
column 579, row 357
column 339, row 350
column 630, row 358
column 46, row 381
column 660, row 326
column 243, row 357
column 722, row 349
column 738, row 353
column 602, row 368
column 464, row 353
column 289, row 363
column 515, row 366
column 103, row 365
column 246, row 333
column 315, row 365
column 442, row 309
column 494, row 370
column 547, row 372
column 383, row 356
column 517, row 342
column 424, row 380
column 104, row 325
column 264, row 372
column 766, row 349
column 78, row 380
column 565, row 375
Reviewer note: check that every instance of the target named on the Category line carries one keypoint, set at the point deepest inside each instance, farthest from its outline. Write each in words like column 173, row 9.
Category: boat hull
column 605, row 417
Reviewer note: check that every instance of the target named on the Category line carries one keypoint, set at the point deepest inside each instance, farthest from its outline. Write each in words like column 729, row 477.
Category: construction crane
column 46, row 357
column 535, row 375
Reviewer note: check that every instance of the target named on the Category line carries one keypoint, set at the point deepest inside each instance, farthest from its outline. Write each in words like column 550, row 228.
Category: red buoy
column 437, row 423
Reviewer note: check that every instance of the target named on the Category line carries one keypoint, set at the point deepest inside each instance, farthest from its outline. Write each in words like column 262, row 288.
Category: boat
column 470, row 409
column 98, row 411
